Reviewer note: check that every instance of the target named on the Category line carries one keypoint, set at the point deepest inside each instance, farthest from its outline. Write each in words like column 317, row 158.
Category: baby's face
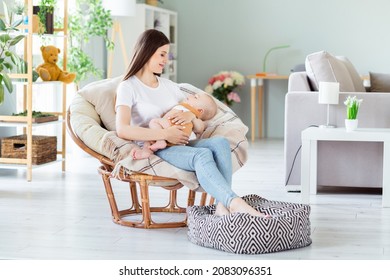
column 204, row 104
column 199, row 101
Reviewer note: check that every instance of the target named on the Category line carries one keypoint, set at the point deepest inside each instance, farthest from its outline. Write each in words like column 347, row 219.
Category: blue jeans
column 211, row 160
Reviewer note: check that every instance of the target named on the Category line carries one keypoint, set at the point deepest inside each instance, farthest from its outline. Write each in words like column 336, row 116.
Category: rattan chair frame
column 137, row 181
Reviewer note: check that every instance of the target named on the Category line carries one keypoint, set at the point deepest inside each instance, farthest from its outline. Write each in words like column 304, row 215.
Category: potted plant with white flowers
column 353, row 105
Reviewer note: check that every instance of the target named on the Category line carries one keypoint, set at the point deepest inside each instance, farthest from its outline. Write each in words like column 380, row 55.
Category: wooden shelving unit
column 28, row 92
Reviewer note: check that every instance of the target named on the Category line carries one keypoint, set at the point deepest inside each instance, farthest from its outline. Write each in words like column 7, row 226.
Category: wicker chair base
column 143, row 208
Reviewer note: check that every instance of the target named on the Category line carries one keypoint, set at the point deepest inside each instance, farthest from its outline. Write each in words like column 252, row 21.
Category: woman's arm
column 173, row 134
column 180, row 117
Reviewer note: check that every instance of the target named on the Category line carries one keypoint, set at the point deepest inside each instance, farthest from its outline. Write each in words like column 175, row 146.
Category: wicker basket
column 44, row 148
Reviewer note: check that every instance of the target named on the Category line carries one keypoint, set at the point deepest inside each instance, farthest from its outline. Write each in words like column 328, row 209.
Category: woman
column 143, row 95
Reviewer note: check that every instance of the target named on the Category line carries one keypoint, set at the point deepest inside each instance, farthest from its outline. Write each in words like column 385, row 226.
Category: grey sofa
column 339, row 163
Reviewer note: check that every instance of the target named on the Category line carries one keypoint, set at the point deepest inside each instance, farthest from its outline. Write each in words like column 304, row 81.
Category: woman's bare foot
column 238, row 205
column 158, row 145
column 221, row 210
column 138, row 153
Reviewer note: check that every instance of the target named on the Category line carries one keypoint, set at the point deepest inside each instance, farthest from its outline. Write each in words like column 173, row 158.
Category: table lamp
column 328, row 94
column 267, row 54
column 118, row 8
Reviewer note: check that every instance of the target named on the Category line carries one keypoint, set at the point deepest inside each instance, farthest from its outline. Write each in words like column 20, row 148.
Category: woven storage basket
column 44, row 148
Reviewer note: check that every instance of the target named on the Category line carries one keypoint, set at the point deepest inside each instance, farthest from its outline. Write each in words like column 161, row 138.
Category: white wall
column 219, row 35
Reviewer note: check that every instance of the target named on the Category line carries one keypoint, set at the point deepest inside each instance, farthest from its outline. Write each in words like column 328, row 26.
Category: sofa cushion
column 324, row 67
column 355, row 77
column 379, row 82
column 101, row 94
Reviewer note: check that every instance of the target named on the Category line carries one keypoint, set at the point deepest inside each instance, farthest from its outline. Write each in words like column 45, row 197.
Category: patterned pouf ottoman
column 288, row 228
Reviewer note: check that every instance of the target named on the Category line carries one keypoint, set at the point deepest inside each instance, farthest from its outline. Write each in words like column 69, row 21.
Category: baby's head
column 204, row 103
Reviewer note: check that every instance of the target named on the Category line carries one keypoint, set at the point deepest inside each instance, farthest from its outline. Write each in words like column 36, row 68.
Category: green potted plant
column 89, row 20
column 8, row 58
column 45, row 13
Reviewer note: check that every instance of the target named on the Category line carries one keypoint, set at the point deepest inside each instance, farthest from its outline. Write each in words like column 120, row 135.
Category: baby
column 201, row 105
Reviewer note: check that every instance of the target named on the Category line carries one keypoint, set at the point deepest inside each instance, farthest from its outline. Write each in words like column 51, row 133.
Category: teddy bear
column 49, row 70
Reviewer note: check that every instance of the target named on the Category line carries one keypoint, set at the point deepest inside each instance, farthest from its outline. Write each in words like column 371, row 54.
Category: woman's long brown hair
column 148, row 43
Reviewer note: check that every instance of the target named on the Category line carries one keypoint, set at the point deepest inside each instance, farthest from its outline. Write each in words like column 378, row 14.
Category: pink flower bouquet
column 221, row 86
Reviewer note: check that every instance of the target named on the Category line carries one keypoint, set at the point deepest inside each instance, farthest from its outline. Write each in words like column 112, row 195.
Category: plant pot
column 46, row 27
column 351, row 125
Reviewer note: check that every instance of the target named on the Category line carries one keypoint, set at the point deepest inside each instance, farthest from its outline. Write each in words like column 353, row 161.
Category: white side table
column 311, row 135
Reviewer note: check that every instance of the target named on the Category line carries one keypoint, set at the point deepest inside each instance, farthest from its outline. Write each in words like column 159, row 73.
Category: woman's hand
column 181, row 117
column 175, row 135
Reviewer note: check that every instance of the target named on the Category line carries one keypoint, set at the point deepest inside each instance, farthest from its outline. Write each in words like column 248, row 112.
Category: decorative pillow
column 101, row 94
column 379, row 82
column 288, row 228
column 355, row 77
column 324, row 67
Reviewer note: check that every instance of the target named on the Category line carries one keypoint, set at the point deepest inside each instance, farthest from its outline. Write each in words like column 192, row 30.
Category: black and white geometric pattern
column 288, row 228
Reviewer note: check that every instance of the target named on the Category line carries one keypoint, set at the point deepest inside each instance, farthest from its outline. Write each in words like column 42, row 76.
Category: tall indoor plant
column 8, row 58
column 89, row 20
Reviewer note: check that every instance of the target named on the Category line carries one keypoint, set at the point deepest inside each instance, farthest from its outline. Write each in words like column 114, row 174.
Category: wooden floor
column 66, row 216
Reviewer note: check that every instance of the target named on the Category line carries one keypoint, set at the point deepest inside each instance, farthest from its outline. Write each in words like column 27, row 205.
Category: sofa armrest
column 298, row 81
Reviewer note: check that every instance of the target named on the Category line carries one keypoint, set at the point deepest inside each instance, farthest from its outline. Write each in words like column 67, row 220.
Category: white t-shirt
column 145, row 102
